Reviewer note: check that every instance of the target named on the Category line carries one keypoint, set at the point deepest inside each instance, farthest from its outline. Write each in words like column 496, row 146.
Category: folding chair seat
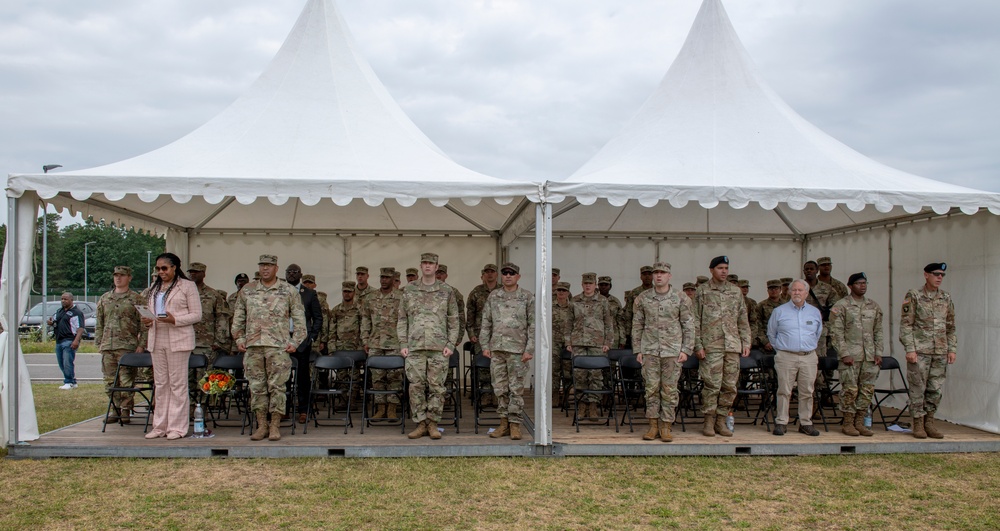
column 468, row 356
column 196, row 362
column 632, row 389
column 826, row 393
column 480, row 390
column 238, row 396
column 385, row 363
column 753, row 384
column 340, row 388
column 689, row 388
column 614, row 355
column 593, row 363
column 453, row 391
column 358, row 357
column 891, row 364
column 143, row 388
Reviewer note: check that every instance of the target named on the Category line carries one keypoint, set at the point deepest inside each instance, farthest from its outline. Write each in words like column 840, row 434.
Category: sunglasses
column 163, row 268
column 508, row 273
column 938, row 274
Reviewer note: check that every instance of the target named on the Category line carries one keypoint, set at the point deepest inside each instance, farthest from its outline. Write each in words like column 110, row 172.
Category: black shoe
column 809, row 430
column 779, row 429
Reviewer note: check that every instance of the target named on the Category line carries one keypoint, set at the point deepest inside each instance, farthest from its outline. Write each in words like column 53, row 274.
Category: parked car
column 35, row 317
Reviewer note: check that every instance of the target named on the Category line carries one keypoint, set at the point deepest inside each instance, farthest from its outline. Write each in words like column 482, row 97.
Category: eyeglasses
column 508, row 273
column 163, row 268
column 938, row 274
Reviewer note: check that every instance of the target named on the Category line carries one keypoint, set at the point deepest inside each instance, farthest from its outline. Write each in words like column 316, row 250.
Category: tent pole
column 892, row 297
column 13, row 291
column 543, row 324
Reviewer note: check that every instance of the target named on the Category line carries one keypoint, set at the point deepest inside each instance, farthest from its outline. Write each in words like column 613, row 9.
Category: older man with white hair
column 794, row 331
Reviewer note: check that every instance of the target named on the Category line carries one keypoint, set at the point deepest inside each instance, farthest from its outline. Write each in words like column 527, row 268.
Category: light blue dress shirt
column 795, row 329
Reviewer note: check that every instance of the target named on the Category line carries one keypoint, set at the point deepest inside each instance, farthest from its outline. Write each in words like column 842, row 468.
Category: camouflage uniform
column 662, row 327
column 839, row 289
column 618, row 318
column 508, row 332
column 345, row 327
column 428, row 323
column 629, row 307
column 261, row 325
column 824, row 297
column 209, row 333
column 764, row 309
column 927, row 327
column 593, row 330
column 379, row 319
column 856, row 331
column 324, row 334
column 119, row 331
column 230, row 345
column 723, row 331
column 477, row 301
column 562, row 327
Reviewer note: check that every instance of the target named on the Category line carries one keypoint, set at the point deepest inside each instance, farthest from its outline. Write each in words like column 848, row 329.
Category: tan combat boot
column 261, row 427
column 515, row 431
column 379, row 411
column 918, row 428
column 859, row 424
column 420, row 431
column 930, row 428
column 432, row 430
column 502, row 430
column 392, row 411
column 592, row 410
column 654, row 430
column 126, row 417
column 848, row 427
column 665, row 435
column 720, row 426
column 274, row 431
column 709, row 429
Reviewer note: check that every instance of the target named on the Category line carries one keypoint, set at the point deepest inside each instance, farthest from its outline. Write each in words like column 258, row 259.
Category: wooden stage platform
column 85, row 439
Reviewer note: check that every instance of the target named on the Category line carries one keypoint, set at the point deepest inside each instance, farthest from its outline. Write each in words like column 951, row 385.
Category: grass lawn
column 834, row 492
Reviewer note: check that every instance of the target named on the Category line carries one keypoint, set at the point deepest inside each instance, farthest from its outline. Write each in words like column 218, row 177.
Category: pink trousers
column 170, row 377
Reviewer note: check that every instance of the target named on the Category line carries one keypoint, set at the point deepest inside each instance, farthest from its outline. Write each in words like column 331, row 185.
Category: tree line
column 112, row 246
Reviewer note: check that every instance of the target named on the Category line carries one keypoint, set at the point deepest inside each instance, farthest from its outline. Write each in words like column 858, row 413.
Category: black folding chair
column 689, row 387
column 632, row 388
column 358, row 357
column 614, row 355
column 385, row 363
column 480, row 390
column 826, row 393
column 891, row 364
column 753, row 385
column 196, row 362
column 238, row 396
column 340, row 388
column 468, row 355
column 593, row 363
column 453, row 391
column 143, row 388
column 566, row 377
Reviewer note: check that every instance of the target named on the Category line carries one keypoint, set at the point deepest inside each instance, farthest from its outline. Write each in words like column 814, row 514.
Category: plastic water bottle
column 730, row 421
column 199, row 421
column 868, row 418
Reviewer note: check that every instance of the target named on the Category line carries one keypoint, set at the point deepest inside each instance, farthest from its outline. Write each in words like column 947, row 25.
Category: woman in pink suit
column 175, row 301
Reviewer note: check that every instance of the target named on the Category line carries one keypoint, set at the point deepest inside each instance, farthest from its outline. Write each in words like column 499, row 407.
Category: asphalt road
column 43, row 368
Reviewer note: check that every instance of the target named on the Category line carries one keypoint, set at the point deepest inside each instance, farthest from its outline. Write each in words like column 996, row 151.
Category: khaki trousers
column 795, row 368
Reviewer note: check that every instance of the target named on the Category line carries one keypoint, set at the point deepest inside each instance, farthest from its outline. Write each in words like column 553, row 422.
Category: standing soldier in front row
column 119, row 331
column 593, row 331
column 508, row 338
column 428, row 329
column 927, row 332
column 856, row 335
column 269, row 323
column 723, row 336
column 663, row 338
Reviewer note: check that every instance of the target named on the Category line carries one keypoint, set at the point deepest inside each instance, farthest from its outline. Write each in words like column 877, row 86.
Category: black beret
column 856, row 277
column 718, row 260
column 241, row 275
column 935, row 266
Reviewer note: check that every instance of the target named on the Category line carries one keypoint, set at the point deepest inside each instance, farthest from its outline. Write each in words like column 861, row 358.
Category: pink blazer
column 185, row 305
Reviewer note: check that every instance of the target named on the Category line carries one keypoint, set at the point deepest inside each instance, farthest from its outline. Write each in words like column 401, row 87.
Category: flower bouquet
column 216, row 382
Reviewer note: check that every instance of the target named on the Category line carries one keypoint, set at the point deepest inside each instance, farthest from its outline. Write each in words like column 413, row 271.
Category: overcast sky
column 511, row 88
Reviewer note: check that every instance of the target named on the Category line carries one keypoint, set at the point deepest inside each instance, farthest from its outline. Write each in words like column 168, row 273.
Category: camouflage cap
column 256, row 275
column 349, row 285
column 412, row 271
column 744, row 284
column 645, row 269
column 269, row 259
column 309, row 278
column 396, row 275
column 604, row 280
column 388, row 271
column 197, row 266
column 490, row 267
column 786, row 280
column 512, row 266
column 689, row 285
column 701, row 279
column 590, row 278
column 824, row 260
column 555, row 271
column 429, row 258
column 360, row 269
column 442, row 269
column 732, row 278
column 661, row 266
column 223, row 293
column 774, row 283
column 562, row 286
column 122, row 270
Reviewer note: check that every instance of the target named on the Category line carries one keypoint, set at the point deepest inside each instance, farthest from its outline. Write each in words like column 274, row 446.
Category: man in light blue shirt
column 794, row 331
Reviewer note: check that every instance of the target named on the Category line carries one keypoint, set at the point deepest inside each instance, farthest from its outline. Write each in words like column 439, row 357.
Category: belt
column 806, row 353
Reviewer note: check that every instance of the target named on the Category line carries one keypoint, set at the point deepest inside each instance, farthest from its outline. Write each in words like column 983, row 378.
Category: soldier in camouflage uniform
column 411, row 275
column 825, row 270
column 210, row 333
column 562, row 327
column 646, row 276
column 345, row 321
column 733, row 279
column 701, row 279
column 241, row 280
column 119, row 331
column 477, row 301
column 508, row 338
column 785, row 283
column 269, row 324
column 593, row 332
column 442, row 276
column 927, row 332
column 379, row 315
column 764, row 309
column 723, row 336
column 751, row 305
column 364, row 288
column 664, row 329
column 856, row 334
column 690, row 288
column 822, row 296
column 397, row 283
column 617, row 311
column 428, row 330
